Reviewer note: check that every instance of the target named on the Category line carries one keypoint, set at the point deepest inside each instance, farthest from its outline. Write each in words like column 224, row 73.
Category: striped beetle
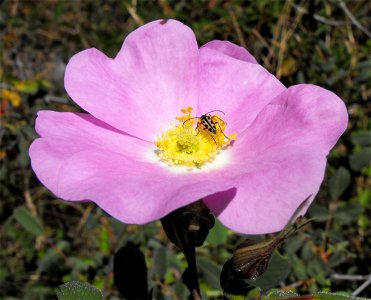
column 209, row 122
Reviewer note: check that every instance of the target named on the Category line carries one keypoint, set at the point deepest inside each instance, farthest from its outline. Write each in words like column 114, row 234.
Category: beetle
column 208, row 122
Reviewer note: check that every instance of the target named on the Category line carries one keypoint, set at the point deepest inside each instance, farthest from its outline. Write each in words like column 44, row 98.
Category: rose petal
column 283, row 157
column 142, row 90
column 240, row 89
column 131, row 191
column 72, row 133
column 85, row 131
column 231, row 50
column 81, row 158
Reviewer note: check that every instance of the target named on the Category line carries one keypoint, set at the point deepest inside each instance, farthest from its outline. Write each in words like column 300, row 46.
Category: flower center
column 194, row 141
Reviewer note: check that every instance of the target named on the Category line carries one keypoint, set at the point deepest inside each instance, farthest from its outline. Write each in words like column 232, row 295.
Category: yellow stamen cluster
column 189, row 143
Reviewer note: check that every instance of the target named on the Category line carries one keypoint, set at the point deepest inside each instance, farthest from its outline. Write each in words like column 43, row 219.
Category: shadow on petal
column 220, row 200
column 99, row 123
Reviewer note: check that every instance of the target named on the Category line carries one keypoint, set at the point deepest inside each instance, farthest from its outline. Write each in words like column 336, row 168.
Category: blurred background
column 45, row 242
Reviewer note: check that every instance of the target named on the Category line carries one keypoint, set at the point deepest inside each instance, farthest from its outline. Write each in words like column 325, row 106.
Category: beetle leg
column 222, row 130
column 203, row 129
column 213, row 138
column 220, row 120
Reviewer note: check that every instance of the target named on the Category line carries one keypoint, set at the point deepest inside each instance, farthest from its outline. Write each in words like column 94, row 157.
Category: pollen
column 193, row 141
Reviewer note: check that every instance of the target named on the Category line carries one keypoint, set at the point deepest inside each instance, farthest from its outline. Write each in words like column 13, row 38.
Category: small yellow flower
column 12, row 97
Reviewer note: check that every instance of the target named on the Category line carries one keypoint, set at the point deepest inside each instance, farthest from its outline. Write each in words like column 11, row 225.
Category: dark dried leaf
column 130, row 273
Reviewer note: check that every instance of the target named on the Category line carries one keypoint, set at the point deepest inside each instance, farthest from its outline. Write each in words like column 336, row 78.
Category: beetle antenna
column 204, row 114
column 189, row 119
column 216, row 110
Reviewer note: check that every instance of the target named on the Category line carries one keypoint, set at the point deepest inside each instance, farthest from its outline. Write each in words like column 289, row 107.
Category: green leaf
column 210, row 271
column 360, row 159
column 336, row 259
column 3, row 272
column 364, row 222
column 180, row 290
column 299, row 267
column 160, row 262
column 283, row 295
column 314, row 266
column 318, row 212
column 52, row 257
column 362, row 138
column 31, row 223
column 218, row 235
column 365, row 198
column 278, row 270
column 75, row 290
column 335, row 296
column 23, row 145
column 306, row 251
column 348, row 213
column 276, row 294
column 339, row 181
column 293, row 244
column 30, row 87
column 104, row 242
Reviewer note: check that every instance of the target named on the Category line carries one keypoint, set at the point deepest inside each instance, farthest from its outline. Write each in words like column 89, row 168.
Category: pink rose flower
column 139, row 157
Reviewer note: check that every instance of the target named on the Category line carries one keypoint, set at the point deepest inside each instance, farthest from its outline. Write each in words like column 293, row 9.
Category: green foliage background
column 45, row 242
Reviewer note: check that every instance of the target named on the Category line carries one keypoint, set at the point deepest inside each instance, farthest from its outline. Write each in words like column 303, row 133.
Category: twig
column 51, row 98
column 196, row 295
column 84, row 217
column 137, row 19
column 332, row 208
column 75, row 205
column 28, row 198
column 266, row 45
column 29, row 202
column 236, row 26
column 362, row 286
column 166, row 8
column 167, row 290
column 353, row 19
column 82, row 36
column 108, row 276
column 350, row 277
column 319, row 18
column 329, row 22
column 295, row 285
column 285, row 35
